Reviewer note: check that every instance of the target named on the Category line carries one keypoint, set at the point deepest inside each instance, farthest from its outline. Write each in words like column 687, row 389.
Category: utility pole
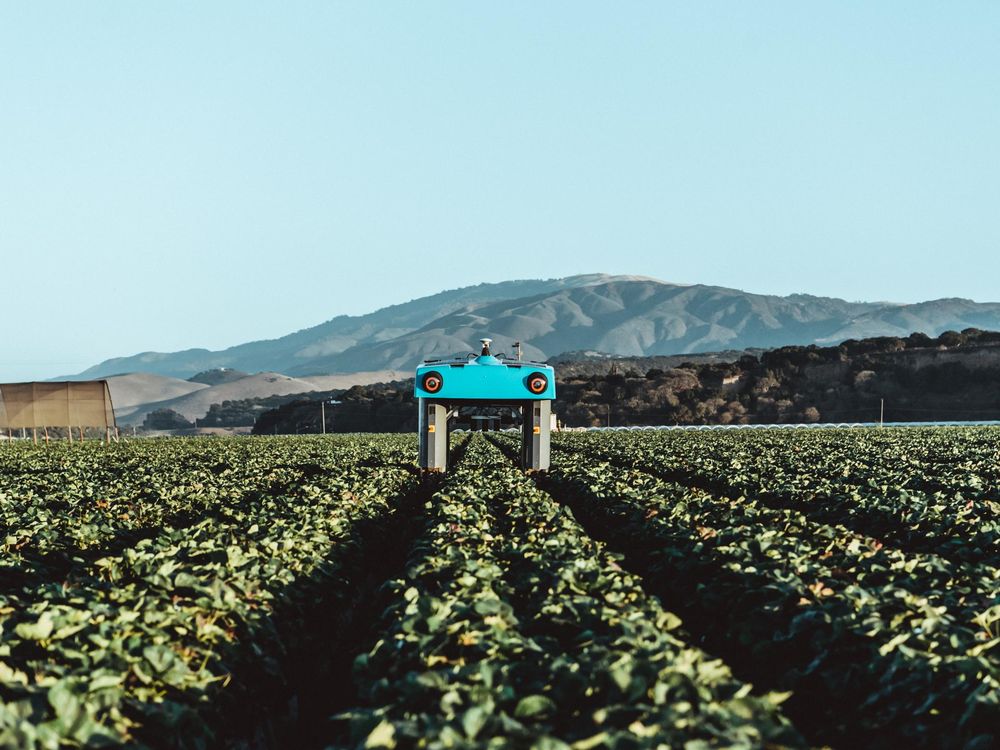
column 323, row 403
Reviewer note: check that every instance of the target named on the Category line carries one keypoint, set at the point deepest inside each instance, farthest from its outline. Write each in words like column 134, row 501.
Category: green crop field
column 653, row 590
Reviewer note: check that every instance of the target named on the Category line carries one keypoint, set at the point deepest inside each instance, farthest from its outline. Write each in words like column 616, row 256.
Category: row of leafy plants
column 925, row 490
column 211, row 593
column 72, row 499
column 514, row 628
column 195, row 635
column 880, row 646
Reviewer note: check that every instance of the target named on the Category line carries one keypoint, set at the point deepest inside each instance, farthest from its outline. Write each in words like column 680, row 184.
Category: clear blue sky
column 188, row 174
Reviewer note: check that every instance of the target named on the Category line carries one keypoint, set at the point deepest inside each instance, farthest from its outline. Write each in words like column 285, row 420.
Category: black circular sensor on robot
column 537, row 383
column 432, row 382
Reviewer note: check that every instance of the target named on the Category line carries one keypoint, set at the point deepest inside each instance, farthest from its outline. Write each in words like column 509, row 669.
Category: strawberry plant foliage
column 695, row 590
column 798, row 558
column 513, row 628
column 129, row 608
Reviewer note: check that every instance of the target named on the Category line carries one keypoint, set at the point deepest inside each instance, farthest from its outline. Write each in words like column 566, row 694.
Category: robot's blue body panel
column 486, row 378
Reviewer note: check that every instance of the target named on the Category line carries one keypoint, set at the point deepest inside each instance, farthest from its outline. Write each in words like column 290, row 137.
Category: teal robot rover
column 444, row 385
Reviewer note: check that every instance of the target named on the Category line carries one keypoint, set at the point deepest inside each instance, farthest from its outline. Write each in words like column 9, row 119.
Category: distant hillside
column 136, row 395
column 624, row 315
column 218, row 376
column 129, row 392
column 955, row 376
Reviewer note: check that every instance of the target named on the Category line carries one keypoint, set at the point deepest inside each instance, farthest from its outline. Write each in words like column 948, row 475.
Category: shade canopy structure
column 59, row 404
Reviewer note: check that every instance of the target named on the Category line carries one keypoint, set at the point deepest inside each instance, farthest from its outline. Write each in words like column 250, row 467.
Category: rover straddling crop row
column 443, row 386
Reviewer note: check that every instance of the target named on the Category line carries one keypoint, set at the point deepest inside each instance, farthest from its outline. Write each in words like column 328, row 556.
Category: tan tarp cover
column 67, row 404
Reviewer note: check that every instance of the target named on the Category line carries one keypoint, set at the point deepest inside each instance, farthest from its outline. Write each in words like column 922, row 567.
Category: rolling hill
column 628, row 315
column 136, row 394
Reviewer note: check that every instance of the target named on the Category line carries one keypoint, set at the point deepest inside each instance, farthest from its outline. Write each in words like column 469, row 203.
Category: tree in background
column 166, row 419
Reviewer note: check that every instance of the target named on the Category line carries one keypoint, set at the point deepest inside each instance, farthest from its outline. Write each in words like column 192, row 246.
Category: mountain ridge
column 626, row 315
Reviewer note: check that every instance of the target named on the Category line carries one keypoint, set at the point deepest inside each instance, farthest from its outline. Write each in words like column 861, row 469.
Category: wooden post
column 46, row 430
column 34, row 435
column 69, row 430
column 81, row 434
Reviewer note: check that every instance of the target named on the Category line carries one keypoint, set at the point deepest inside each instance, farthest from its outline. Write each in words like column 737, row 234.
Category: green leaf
column 886, row 648
column 474, row 719
column 65, row 701
column 487, row 606
column 621, row 673
column 591, row 742
column 36, row 631
column 160, row 658
column 11, row 675
column 534, row 707
column 104, row 680
column 383, row 735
